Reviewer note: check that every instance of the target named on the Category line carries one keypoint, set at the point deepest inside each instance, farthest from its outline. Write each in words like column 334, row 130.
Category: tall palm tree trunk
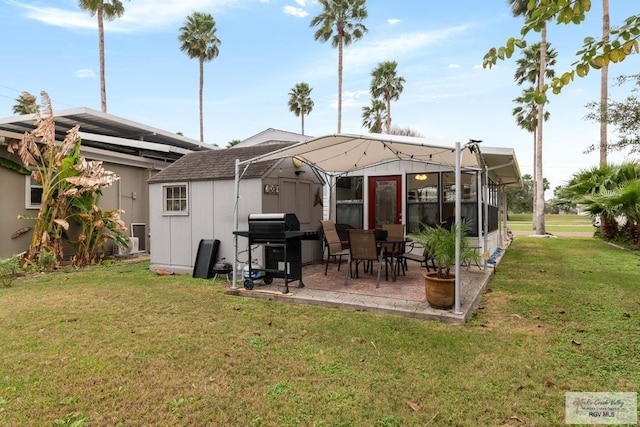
column 535, row 177
column 604, row 87
column 200, row 98
column 302, row 119
column 340, row 85
column 103, row 84
column 539, row 191
column 388, row 120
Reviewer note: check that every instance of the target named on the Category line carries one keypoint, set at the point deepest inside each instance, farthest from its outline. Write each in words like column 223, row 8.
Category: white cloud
column 363, row 54
column 295, row 11
column 351, row 99
column 301, row 3
column 455, row 66
column 85, row 74
column 393, row 21
column 139, row 16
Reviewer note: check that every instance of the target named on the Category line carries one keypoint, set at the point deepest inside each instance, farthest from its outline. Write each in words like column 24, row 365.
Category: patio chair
column 418, row 254
column 343, row 233
column 395, row 232
column 333, row 245
column 363, row 248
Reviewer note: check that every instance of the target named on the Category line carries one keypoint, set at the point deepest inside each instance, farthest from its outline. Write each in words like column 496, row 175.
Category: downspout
column 236, row 197
column 456, row 309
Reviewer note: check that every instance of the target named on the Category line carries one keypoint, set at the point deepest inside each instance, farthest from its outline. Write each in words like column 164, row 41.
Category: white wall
column 175, row 238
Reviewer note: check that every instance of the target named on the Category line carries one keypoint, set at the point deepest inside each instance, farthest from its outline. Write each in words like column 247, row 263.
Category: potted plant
column 440, row 244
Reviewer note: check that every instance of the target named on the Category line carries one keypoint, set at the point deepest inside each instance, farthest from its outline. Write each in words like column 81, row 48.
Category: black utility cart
column 280, row 235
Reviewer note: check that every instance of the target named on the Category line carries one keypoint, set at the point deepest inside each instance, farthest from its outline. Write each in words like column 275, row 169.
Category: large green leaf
column 10, row 164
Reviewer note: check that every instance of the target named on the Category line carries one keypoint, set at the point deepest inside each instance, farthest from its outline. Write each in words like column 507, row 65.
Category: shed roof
column 218, row 164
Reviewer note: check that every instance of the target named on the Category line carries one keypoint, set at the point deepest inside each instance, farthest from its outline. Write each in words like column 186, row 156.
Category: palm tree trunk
column 339, row 84
column 535, row 178
column 604, row 87
column 200, row 96
column 388, row 120
column 539, row 189
column 103, row 84
column 302, row 119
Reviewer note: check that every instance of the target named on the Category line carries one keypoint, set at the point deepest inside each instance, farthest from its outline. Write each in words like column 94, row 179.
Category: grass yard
column 119, row 345
column 553, row 223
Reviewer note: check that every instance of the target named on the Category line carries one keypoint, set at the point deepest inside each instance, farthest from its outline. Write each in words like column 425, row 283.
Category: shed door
column 385, row 200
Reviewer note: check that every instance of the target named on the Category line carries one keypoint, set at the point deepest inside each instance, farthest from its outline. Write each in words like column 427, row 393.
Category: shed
column 193, row 199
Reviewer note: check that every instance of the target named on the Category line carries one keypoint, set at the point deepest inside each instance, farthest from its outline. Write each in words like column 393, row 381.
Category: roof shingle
column 218, row 164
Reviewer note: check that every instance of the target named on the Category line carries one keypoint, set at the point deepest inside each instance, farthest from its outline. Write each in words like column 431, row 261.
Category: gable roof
column 109, row 132
column 273, row 135
column 218, row 164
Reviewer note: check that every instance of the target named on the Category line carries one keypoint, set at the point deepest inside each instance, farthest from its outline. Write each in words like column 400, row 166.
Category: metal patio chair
column 363, row 248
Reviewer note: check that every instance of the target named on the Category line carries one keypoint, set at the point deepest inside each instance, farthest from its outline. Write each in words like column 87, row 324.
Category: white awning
column 340, row 153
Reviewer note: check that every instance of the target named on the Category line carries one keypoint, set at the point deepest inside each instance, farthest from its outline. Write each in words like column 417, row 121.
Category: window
column 33, row 193
column 422, row 201
column 175, row 199
column 468, row 196
column 349, row 201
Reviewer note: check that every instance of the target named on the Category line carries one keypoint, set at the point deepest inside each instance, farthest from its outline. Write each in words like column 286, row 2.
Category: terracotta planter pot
column 440, row 292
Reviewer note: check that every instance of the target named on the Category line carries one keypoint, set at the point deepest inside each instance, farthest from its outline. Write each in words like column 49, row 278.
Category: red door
column 385, row 200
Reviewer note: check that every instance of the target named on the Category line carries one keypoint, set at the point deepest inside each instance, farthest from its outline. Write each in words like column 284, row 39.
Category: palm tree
column 528, row 70
column 386, row 84
column 198, row 40
column 300, row 102
column 528, row 66
column 520, row 8
column 374, row 116
column 109, row 10
column 608, row 191
column 343, row 16
column 26, row 104
column 604, row 87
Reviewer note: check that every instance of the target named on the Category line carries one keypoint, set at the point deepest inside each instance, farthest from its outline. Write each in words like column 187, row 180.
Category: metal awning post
column 485, row 214
column 456, row 308
column 236, row 197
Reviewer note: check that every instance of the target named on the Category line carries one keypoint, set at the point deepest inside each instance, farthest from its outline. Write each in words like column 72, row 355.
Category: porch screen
column 422, row 201
column 469, row 198
column 350, row 201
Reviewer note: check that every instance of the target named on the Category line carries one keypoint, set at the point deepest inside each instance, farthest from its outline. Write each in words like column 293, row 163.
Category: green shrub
column 9, row 268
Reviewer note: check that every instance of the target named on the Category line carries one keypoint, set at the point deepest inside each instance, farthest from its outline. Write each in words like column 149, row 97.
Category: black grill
column 280, row 235
column 275, row 227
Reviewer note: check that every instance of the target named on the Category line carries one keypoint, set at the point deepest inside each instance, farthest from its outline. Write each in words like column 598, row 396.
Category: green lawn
column 553, row 223
column 119, row 345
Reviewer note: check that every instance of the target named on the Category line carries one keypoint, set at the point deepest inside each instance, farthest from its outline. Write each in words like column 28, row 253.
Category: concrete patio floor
column 404, row 297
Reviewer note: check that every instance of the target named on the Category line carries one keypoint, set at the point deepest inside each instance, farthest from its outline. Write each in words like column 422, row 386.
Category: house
column 134, row 151
column 193, row 199
column 416, row 190
column 377, row 179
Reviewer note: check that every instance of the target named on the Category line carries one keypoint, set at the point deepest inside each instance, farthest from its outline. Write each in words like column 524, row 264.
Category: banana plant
column 68, row 182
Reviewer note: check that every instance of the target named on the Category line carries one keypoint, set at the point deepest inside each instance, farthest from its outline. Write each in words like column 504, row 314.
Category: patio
column 404, row 297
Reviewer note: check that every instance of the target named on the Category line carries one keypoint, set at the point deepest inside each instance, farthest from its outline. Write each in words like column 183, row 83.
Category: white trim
column 166, row 212
column 28, row 203
column 153, row 146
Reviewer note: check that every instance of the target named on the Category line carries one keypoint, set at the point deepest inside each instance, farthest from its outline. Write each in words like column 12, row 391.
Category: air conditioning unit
column 132, row 248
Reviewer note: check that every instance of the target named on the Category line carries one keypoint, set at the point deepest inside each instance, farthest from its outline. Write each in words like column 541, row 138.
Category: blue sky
column 267, row 47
